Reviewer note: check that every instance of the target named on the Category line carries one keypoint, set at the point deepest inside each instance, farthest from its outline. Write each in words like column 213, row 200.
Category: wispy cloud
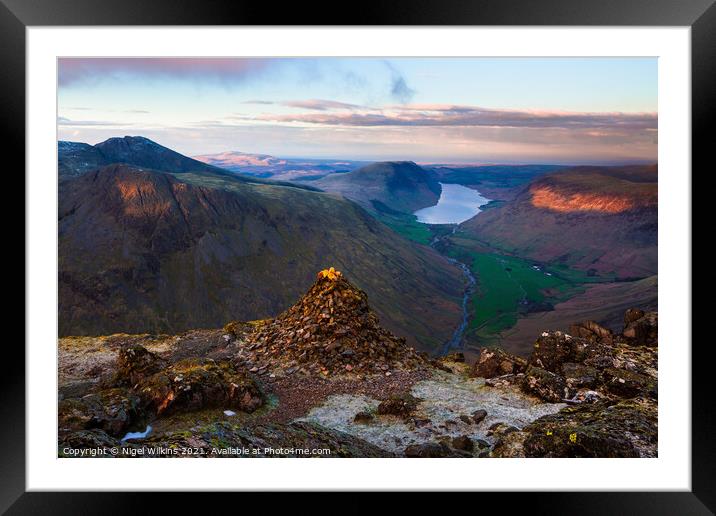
column 225, row 70
column 64, row 121
column 320, row 105
column 399, row 89
column 446, row 115
column 313, row 104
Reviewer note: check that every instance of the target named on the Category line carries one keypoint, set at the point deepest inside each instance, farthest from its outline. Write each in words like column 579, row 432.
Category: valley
column 508, row 242
column 515, row 288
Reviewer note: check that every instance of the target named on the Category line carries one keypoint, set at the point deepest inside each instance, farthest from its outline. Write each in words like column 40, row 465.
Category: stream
column 455, row 342
column 457, row 204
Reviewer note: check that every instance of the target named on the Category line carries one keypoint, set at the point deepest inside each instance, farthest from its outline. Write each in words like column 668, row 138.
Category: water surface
column 457, row 203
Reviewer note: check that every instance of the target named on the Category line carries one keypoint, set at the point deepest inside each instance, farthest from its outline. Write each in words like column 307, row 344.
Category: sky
column 428, row 110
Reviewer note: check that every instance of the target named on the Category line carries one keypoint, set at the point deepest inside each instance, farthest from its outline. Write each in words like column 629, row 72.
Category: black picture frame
column 17, row 15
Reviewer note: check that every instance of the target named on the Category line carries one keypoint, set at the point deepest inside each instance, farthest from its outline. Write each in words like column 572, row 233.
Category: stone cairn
column 332, row 330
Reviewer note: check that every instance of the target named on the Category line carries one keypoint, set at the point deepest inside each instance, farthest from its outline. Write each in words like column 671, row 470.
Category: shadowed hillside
column 141, row 250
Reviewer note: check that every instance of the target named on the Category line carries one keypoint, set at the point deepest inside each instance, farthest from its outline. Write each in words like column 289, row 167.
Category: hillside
column 399, row 185
column 598, row 219
column 145, row 251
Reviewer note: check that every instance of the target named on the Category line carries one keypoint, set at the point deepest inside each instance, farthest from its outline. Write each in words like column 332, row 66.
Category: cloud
column 399, row 89
column 466, row 116
column 64, row 121
column 320, row 105
column 226, row 70
column 314, row 104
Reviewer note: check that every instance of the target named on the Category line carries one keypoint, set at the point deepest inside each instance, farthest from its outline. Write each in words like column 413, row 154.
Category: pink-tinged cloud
column 436, row 115
column 320, row 105
column 76, row 70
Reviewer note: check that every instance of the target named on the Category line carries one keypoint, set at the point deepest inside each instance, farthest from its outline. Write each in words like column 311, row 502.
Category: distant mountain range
column 264, row 165
column 159, row 242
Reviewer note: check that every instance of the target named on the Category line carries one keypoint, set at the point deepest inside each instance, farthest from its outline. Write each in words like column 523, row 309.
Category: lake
column 457, row 203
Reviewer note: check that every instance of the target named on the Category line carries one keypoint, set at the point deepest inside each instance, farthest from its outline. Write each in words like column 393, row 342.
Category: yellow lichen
column 332, row 274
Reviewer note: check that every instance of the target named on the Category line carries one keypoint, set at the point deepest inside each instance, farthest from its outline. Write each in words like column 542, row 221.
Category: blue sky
column 450, row 110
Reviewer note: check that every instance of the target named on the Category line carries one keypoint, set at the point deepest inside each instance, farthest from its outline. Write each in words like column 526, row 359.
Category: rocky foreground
column 324, row 379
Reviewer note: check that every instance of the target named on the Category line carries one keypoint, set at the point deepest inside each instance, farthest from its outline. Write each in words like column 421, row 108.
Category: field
column 509, row 288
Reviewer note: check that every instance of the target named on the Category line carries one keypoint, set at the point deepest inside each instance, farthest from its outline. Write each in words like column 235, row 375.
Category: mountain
column 145, row 251
column 399, row 185
column 598, row 219
column 143, row 152
column 236, row 161
column 77, row 158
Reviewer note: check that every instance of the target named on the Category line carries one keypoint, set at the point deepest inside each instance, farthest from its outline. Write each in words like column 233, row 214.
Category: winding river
column 457, row 204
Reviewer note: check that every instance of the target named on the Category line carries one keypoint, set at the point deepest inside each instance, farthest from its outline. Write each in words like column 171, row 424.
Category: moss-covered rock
column 544, row 384
column 627, row 384
column 551, row 350
column 135, row 363
column 195, row 383
column 625, row 429
column 579, row 376
column 497, row 362
column 112, row 410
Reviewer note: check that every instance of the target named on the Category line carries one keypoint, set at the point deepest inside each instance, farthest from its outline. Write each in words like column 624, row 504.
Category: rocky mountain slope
column 589, row 393
column 399, row 185
column 78, row 158
column 145, row 251
column 602, row 219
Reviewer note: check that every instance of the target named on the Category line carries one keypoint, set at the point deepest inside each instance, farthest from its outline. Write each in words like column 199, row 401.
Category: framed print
column 444, row 248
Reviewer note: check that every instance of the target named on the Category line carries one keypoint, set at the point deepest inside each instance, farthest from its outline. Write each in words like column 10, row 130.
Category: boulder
column 135, row 363
column 625, row 429
column 196, row 383
column 545, row 384
column 363, row 417
column 627, row 384
column 111, row 410
column 592, row 331
column 551, row 350
column 463, row 442
column 478, row 416
column 578, row 376
column 497, row 362
column 499, row 429
column 510, row 445
column 402, row 405
column 631, row 315
column 643, row 331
